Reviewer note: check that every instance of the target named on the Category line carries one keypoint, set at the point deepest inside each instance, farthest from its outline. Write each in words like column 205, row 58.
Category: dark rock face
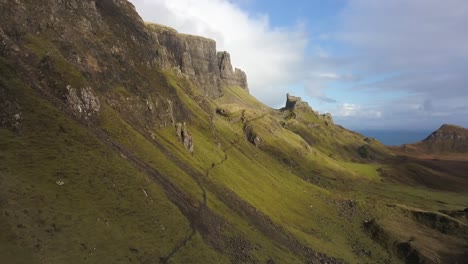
column 197, row 58
column 293, row 102
column 108, row 41
column 89, row 54
column 228, row 76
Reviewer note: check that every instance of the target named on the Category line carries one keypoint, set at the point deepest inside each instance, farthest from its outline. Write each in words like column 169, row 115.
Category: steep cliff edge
column 197, row 58
column 106, row 37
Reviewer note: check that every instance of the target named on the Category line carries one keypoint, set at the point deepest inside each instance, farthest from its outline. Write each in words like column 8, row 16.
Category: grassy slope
column 206, row 153
column 301, row 179
column 302, row 208
column 100, row 214
column 388, row 192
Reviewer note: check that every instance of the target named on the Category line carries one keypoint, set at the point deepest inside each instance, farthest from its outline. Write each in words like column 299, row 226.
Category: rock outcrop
column 184, row 136
column 84, row 103
column 197, row 58
column 228, row 76
column 252, row 136
column 294, row 102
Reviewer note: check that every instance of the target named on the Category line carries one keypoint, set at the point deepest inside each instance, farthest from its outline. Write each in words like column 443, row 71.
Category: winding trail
column 178, row 246
column 184, row 242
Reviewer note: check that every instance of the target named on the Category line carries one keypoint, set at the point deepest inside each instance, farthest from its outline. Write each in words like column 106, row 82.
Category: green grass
column 124, row 134
column 64, row 71
column 256, row 177
column 101, row 213
column 368, row 171
column 305, row 176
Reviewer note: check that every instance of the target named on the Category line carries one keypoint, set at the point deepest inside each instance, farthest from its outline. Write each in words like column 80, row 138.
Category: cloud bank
column 272, row 57
column 423, row 46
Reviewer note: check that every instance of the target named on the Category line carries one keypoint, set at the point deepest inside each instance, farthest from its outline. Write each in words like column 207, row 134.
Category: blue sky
column 394, row 65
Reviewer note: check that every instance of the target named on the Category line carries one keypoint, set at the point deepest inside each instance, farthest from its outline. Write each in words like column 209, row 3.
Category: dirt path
column 184, row 242
column 178, row 246
column 175, row 195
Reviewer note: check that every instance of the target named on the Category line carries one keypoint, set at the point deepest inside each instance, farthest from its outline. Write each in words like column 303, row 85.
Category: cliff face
column 83, row 31
column 83, row 50
column 197, row 58
column 231, row 77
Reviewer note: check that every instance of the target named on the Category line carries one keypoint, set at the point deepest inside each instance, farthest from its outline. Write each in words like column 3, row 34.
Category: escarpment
column 197, row 58
column 96, row 54
column 108, row 42
column 229, row 76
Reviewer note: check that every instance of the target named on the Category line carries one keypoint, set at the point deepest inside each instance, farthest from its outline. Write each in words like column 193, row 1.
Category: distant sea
column 396, row 138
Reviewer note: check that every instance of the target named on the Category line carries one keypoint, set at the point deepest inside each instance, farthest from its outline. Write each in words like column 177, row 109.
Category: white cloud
column 272, row 57
column 328, row 75
column 347, row 110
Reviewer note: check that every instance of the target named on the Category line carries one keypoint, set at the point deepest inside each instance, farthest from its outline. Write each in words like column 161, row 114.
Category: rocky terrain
column 128, row 142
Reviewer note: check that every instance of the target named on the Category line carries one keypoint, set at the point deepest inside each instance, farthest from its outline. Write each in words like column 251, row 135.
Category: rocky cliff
column 100, row 37
column 197, row 58
column 82, row 52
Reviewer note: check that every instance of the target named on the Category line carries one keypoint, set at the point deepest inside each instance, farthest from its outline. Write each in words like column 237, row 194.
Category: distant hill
column 448, row 138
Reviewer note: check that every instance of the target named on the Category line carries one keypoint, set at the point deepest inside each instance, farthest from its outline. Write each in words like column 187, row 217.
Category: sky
column 390, row 65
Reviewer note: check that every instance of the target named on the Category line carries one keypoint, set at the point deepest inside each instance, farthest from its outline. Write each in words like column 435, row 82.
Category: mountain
column 127, row 142
column 448, row 138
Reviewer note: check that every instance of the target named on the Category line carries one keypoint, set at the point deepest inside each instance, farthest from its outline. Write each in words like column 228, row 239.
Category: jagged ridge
column 197, row 57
